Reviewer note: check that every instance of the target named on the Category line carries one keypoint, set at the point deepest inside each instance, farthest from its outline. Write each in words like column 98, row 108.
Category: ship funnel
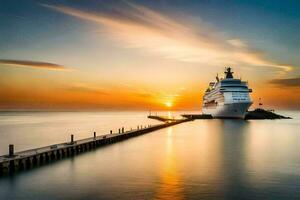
column 228, row 73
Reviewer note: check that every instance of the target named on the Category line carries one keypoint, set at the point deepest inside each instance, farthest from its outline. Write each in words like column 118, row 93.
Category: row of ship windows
column 235, row 86
column 239, row 99
column 216, row 92
column 219, row 97
column 239, row 94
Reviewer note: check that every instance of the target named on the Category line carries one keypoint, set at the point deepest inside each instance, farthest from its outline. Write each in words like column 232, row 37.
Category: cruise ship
column 227, row 97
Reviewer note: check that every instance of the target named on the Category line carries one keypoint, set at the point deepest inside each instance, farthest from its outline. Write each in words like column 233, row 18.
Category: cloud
column 184, row 39
column 84, row 88
column 32, row 64
column 237, row 43
column 145, row 95
column 289, row 82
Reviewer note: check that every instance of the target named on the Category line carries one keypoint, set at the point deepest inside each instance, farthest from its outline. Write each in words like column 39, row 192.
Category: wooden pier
column 163, row 118
column 14, row 162
column 184, row 116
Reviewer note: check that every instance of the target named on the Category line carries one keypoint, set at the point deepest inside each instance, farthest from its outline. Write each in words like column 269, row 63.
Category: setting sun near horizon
column 169, row 104
column 141, row 55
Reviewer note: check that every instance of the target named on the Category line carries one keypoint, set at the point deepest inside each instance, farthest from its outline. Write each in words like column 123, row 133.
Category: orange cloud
column 288, row 82
column 85, row 88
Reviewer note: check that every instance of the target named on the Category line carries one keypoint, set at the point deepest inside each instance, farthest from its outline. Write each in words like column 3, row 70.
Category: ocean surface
column 201, row 159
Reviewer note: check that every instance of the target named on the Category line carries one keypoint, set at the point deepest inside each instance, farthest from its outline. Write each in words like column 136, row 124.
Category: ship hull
column 231, row 110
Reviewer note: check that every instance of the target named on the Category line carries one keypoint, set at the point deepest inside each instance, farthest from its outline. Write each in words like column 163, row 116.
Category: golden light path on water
column 170, row 183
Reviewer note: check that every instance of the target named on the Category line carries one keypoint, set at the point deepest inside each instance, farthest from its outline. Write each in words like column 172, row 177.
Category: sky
column 145, row 55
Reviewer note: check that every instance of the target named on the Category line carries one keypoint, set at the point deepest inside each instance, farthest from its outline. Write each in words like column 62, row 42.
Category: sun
column 169, row 104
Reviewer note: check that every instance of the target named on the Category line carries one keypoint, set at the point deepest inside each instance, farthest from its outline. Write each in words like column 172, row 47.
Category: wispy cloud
column 32, row 64
column 85, row 88
column 288, row 82
column 137, row 26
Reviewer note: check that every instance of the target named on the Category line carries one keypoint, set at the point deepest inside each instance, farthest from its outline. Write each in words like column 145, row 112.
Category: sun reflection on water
column 170, row 186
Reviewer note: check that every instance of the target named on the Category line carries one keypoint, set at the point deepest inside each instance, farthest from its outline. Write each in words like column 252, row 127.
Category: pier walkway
column 35, row 157
column 163, row 118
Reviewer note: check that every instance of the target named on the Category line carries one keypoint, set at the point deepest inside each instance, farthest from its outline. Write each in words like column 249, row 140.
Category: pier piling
column 94, row 135
column 11, row 150
column 72, row 139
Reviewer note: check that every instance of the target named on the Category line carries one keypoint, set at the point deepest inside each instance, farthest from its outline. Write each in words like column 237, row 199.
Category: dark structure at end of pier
column 256, row 114
column 197, row 116
column 260, row 113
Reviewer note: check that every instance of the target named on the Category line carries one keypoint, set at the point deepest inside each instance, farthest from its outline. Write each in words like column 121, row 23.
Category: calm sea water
column 202, row 159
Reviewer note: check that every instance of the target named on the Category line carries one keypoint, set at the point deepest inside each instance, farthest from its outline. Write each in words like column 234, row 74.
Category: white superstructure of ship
column 227, row 97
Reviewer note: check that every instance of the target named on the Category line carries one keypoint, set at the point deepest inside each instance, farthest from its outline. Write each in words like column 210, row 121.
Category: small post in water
column 72, row 138
column 11, row 150
column 110, row 131
column 122, row 129
column 95, row 135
